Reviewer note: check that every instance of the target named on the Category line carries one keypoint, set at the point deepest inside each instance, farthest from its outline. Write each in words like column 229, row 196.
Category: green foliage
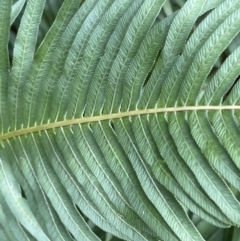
column 119, row 120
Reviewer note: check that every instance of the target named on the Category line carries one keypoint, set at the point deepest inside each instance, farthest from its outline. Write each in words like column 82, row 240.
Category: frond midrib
column 82, row 120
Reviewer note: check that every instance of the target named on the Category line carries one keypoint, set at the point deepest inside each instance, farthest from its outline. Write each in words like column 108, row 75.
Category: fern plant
column 118, row 119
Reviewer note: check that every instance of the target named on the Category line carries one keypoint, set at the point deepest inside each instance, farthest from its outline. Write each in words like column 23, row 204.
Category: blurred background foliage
column 208, row 231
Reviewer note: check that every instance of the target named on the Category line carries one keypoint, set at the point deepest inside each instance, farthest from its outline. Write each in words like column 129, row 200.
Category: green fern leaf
column 119, row 121
column 16, row 9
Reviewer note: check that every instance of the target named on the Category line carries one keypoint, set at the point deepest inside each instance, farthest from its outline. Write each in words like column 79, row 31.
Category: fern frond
column 119, row 120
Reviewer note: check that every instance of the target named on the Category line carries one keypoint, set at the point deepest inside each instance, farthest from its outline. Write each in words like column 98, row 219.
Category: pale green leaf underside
column 16, row 9
column 113, row 116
